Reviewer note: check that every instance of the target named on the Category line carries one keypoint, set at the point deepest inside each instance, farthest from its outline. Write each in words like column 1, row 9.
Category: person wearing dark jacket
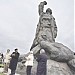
column 42, row 61
column 14, row 61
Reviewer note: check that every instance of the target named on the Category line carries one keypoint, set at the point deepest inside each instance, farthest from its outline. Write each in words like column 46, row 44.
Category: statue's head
column 49, row 11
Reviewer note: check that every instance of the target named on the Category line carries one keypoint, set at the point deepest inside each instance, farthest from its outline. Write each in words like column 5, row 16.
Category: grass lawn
column 2, row 74
column 1, row 65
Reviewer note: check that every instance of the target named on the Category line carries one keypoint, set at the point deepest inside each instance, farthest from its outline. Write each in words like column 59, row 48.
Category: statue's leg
column 57, row 51
column 48, row 46
column 54, row 46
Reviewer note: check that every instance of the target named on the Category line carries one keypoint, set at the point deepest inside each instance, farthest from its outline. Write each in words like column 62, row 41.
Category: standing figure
column 46, row 28
column 7, row 60
column 29, row 62
column 42, row 61
column 14, row 61
column 0, row 58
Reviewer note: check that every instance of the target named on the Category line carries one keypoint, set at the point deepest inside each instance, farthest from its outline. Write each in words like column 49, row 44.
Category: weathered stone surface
column 53, row 68
column 71, row 64
column 57, row 68
column 46, row 28
column 57, row 51
column 21, row 69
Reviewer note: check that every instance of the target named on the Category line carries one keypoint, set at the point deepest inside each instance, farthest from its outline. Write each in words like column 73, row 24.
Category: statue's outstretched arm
column 41, row 7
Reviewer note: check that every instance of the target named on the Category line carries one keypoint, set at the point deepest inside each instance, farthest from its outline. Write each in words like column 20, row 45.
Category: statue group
column 61, row 60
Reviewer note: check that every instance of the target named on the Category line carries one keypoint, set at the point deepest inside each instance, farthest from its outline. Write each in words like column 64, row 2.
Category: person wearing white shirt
column 29, row 62
column 7, row 60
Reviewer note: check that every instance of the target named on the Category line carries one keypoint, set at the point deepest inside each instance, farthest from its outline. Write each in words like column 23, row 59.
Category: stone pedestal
column 54, row 68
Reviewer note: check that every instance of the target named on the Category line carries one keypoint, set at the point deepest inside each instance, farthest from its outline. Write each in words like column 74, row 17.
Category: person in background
column 7, row 60
column 42, row 61
column 0, row 58
column 14, row 61
column 29, row 62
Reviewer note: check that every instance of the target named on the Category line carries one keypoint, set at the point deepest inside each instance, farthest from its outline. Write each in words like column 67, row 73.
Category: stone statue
column 46, row 28
column 61, row 60
column 57, row 53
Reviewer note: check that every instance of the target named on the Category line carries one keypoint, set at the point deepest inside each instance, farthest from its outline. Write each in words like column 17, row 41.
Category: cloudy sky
column 19, row 18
